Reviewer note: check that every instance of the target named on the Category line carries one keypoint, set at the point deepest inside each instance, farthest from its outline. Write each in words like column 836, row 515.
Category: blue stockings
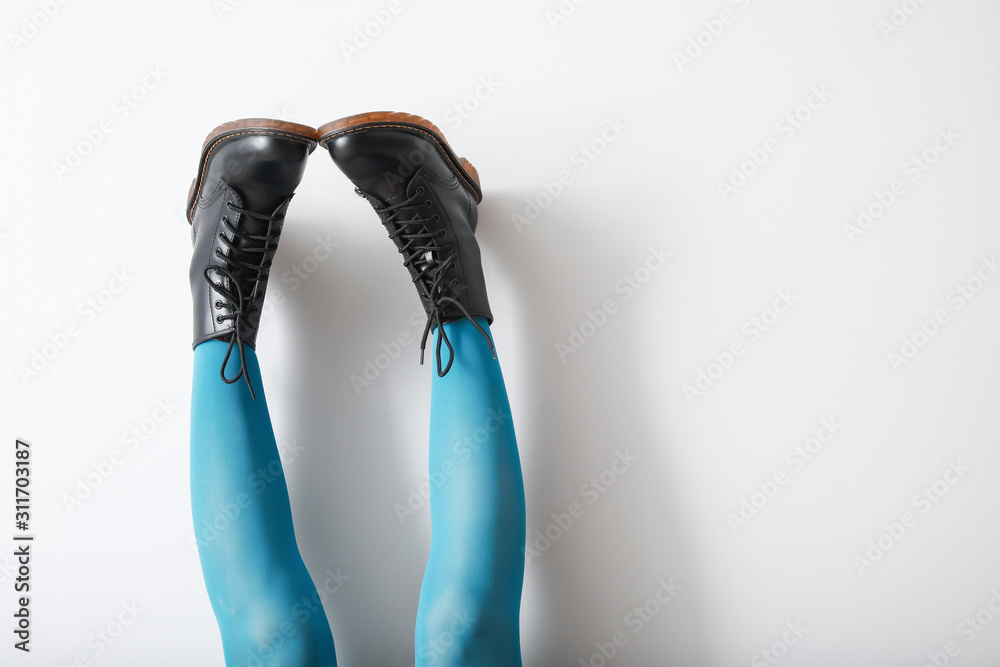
column 471, row 593
column 263, row 598
column 266, row 605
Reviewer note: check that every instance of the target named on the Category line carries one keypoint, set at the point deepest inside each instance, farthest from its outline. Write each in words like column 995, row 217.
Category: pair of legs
column 267, row 607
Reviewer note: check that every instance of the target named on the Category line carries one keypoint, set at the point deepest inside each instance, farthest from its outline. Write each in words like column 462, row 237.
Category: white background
column 351, row 456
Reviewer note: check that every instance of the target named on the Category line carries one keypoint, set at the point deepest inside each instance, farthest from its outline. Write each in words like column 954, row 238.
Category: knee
column 460, row 629
column 262, row 636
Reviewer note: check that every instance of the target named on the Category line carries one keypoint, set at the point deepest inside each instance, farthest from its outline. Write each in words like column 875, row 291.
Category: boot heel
column 407, row 122
column 242, row 127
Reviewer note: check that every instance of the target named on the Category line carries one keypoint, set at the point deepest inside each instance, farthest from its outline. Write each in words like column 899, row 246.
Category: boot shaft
column 425, row 196
column 248, row 173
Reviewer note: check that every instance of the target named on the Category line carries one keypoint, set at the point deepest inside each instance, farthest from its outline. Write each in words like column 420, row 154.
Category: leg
column 260, row 590
column 426, row 197
column 471, row 593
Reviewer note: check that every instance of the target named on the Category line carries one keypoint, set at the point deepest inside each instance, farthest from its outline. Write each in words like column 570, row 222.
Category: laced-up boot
column 426, row 197
column 248, row 173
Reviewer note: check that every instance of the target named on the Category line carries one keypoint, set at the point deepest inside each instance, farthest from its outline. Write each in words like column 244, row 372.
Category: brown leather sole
column 245, row 126
column 358, row 122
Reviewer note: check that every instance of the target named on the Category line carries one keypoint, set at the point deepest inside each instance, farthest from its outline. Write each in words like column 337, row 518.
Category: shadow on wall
column 582, row 420
column 589, row 428
column 357, row 444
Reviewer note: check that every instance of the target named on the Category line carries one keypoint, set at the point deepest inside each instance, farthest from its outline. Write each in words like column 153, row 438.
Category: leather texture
column 391, row 165
column 255, row 170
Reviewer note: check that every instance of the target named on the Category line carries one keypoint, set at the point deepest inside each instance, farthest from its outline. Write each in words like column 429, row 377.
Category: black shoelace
column 251, row 262
column 419, row 249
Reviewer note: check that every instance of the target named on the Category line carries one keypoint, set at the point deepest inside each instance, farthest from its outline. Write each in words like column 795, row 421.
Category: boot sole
column 409, row 123
column 237, row 128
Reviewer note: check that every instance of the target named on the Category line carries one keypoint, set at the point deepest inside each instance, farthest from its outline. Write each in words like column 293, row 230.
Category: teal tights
column 267, row 607
column 264, row 601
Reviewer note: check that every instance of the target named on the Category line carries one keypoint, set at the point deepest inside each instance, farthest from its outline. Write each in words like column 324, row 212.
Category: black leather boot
column 426, row 197
column 248, row 173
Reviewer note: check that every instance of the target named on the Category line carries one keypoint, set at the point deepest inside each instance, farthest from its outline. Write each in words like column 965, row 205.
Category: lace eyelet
column 435, row 218
column 229, row 203
column 420, row 190
column 447, row 248
column 218, row 318
column 218, row 253
column 218, row 303
column 454, row 282
column 222, row 236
